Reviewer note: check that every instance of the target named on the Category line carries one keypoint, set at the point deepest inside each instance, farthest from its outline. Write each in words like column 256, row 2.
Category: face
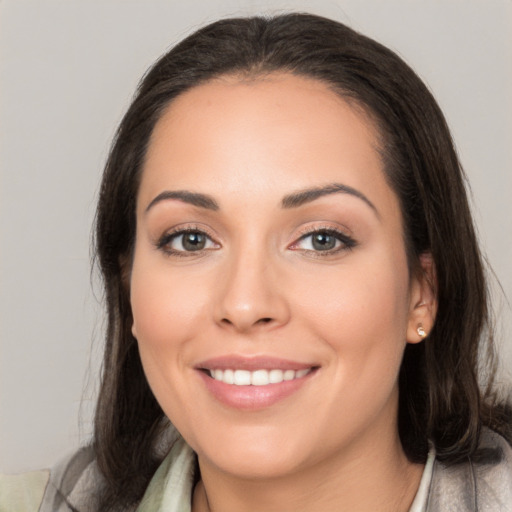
column 270, row 288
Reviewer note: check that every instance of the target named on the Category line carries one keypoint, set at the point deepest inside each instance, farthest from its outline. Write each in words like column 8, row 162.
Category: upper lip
column 252, row 363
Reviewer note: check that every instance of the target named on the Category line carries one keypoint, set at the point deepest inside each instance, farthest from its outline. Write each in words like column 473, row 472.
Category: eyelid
column 347, row 241
column 323, row 226
column 179, row 230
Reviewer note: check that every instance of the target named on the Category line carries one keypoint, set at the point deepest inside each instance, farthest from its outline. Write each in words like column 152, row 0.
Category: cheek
column 168, row 312
column 361, row 314
column 164, row 307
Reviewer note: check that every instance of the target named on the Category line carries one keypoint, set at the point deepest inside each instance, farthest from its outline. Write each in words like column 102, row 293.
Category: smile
column 257, row 377
column 254, row 383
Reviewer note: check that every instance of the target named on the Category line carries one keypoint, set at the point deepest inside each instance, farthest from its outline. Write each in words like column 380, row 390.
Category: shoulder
column 483, row 482
column 74, row 484
column 23, row 492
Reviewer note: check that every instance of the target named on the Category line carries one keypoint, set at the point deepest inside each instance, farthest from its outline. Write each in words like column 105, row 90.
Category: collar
column 420, row 501
column 171, row 487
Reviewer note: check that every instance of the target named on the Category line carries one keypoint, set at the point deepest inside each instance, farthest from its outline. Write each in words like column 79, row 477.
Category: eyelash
column 168, row 238
column 347, row 242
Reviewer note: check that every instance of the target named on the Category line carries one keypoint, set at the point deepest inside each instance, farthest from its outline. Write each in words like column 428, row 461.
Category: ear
column 423, row 300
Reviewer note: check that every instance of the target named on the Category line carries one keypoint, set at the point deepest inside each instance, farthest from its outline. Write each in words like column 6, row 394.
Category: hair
column 441, row 400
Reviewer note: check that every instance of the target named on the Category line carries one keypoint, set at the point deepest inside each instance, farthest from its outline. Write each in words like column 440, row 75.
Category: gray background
column 67, row 71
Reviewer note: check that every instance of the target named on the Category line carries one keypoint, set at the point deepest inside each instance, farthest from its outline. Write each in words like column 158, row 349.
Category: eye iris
column 323, row 241
column 193, row 241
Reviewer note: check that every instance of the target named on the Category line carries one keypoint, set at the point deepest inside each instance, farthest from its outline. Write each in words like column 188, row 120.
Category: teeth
column 242, row 377
column 275, row 376
column 228, row 376
column 289, row 375
column 258, row 377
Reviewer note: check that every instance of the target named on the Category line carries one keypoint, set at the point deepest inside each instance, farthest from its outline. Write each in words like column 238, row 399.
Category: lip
column 252, row 397
column 252, row 363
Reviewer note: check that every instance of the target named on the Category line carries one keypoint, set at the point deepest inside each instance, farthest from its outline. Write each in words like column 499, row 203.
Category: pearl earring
column 421, row 332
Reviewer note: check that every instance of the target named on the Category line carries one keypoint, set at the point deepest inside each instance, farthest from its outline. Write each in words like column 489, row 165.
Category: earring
column 421, row 332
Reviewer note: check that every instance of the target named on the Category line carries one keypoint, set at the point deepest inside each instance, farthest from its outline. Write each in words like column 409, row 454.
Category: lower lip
column 252, row 397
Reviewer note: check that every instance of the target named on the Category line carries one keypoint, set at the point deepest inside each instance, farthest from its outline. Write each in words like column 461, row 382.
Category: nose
column 251, row 294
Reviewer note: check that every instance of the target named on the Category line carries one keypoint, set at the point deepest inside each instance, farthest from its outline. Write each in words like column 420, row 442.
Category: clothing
column 483, row 483
column 420, row 500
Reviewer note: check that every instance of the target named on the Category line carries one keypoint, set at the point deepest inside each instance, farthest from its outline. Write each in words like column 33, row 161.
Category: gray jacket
column 482, row 484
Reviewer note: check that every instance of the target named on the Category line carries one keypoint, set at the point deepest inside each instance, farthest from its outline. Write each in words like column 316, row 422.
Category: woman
column 293, row 283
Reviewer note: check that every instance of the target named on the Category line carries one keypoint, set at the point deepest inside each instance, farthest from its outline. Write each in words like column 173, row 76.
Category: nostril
column 244, row 324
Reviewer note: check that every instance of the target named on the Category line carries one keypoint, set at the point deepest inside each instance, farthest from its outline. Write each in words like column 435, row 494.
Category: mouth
column 254, row 383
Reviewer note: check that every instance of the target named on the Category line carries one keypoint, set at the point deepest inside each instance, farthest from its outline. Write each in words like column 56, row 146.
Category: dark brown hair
column 441, row 400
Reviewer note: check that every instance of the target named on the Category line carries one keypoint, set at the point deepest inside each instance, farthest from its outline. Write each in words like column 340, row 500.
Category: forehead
column 261, row 136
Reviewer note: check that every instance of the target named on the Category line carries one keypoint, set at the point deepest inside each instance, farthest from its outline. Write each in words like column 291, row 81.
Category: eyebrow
column 293, row 200
column 193, row 198
column 311, row 194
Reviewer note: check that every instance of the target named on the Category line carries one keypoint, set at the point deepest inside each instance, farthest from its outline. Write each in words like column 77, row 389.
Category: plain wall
column 67, row 72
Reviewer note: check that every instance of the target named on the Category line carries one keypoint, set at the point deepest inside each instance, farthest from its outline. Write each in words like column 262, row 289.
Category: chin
column 256, row 454
column 255, row 464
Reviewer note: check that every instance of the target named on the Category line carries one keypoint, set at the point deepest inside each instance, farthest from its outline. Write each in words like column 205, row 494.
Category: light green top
column 22, row 493
column 170, row 489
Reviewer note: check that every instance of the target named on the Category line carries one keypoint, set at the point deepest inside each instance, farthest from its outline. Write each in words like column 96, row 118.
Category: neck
column 369, row 475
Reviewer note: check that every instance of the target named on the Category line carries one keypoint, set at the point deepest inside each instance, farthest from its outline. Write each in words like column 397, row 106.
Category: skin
column 260, row 287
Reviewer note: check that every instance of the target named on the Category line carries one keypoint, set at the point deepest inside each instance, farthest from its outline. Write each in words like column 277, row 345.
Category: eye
column 189, row 240
column 324, row 240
